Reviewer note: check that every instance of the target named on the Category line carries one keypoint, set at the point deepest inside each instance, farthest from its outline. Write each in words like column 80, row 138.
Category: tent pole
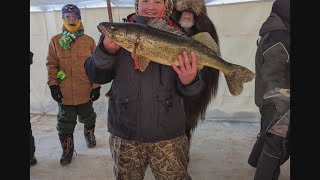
column 109, row 11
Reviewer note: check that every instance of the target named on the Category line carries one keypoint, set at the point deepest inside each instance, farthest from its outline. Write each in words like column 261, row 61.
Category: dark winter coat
column 272, row 58
column 145, row 106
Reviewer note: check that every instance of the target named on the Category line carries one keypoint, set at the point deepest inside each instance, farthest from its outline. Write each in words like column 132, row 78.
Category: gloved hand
column 56, row 93
column 95, row 93
column 280, row 98
column 282, row 106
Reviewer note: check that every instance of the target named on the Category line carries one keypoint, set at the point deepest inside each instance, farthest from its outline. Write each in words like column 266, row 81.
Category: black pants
column 270, row 151
column 32, row 146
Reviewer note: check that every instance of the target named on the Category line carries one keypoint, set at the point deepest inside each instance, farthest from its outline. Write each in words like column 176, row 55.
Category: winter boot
column 89, row 137
column 68, row 148
column 256, row 152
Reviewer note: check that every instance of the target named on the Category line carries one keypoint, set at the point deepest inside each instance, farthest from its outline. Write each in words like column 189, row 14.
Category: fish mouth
column 103, row 30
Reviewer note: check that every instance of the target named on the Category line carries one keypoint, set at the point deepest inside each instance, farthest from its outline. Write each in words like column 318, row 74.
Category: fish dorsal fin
column 143, row 63
column 161, row 24
column 206, row 39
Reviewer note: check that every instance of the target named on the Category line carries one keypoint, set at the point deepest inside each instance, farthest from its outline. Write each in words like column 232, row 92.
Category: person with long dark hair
column 192, row 17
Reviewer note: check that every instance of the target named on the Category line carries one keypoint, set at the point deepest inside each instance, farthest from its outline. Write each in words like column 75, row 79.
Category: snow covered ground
column 219, row 151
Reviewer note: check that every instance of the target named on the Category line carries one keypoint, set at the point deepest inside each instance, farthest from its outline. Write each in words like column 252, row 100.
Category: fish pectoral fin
column 135, row 57
column 143, row 63
column 206, row 39
column 134, row 49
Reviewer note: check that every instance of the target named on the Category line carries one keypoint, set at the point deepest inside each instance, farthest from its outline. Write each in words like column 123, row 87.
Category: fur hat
column 196, row 6
column 71, row 8
column 169, row 8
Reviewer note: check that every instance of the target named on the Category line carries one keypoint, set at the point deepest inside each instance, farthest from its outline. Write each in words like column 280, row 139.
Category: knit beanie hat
column 72, row 9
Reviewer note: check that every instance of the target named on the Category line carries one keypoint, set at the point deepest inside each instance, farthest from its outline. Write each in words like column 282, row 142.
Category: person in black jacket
column 272, row 71
column 146, row 115
column 33, row 159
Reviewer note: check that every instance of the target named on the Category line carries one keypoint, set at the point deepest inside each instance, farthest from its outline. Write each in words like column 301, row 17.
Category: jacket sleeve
column 52, row 64
column 274, row 70
column 92, row 48
column 194, row 88
column 99, row 66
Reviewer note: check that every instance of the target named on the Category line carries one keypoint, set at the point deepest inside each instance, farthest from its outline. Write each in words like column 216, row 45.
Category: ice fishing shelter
column 237, row 23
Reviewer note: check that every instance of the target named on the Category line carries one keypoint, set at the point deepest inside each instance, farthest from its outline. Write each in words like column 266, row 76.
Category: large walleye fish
column 158, row 42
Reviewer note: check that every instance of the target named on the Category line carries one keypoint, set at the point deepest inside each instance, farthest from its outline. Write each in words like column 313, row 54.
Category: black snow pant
column 32, row 145
column 270, row 151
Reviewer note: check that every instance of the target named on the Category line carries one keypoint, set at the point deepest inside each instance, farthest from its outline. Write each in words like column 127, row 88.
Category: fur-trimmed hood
column 196, row 6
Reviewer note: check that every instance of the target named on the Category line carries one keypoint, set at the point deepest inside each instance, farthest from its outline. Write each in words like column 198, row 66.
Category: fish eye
column 112, row 27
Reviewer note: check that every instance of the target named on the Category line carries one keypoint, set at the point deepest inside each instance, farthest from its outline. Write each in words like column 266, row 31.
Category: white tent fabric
column 49, row 5
column 237, row 25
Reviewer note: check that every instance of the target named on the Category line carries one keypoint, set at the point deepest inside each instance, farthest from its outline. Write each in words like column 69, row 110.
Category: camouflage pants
column 167, row 159
column 67, row 117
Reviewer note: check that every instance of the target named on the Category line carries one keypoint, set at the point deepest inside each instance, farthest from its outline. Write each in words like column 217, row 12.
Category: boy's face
column 151, row 8
column 71, row 19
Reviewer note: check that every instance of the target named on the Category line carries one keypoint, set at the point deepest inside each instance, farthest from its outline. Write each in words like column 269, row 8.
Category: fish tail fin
column 237, row 77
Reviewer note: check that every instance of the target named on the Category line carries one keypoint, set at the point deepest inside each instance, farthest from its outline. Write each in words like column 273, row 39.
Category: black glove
column 31, row 58
column 95, row 93
column 56, row 93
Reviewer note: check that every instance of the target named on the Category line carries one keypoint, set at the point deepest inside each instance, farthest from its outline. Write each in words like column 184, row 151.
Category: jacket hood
column 196, row 6
column 272, row 23
column 279, row 18
column 282, row 9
